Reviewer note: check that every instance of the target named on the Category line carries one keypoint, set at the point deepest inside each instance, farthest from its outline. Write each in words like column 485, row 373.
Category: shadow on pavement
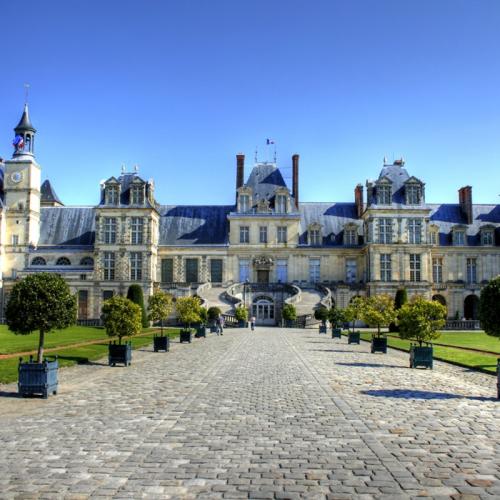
column 9, row 394
column 336, row 350
column 371, row 365
column 411, row 394
column 81, row 360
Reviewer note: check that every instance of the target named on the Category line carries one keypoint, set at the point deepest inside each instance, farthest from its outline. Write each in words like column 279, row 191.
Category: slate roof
column 398, row 175
column 194, row 224
column 125, row 180
column 332, row 217
column 67, row 226
column 48, row 194
column 25, row 122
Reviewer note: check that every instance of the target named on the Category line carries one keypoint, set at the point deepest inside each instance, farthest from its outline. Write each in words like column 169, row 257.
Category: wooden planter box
column 289, row 323
column 498, row 378
column 213, row 329
column 322, row 328
column 242, row 323
column 119, row 353
column 420, row 356
column 185, row 336
column 379, row 344
column 336, row 333
column 37, row 378
column 161, row 343
column 201, row 331
column 353, row 337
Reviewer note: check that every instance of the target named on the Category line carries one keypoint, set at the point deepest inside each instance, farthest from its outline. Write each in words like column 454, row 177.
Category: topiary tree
column 40, row 302
column 400, row 300
column 353, row 311
column 203, row 315
column 188, row 310
column 421, row 319
column 121, row 317
column 336, row 316
column 289, row 312
column 241, row 313
column 160, row 305
column 321, row 314
column 213, row 313
column 379, row 311
column 489, row 307
column 137, row 297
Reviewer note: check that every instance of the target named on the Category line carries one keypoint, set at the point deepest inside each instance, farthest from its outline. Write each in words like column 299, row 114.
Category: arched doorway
column 263, row 310
column 471, row 306
column 439, row 298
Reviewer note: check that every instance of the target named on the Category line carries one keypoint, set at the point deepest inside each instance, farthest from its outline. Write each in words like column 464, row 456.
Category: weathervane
column 26, row 92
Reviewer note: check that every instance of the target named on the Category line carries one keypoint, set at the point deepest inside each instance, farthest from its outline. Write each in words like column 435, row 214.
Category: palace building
column 268, row 243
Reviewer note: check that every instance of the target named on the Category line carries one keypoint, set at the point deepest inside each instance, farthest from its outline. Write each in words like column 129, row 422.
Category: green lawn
column 71, row 356
column 466, row 358
column 477, row 340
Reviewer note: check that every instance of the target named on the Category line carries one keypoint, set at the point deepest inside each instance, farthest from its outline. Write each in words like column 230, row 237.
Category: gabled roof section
column 398, row 175
column 264, row 180
column 200, row 225
column 48, row 195
column 67, row 226
column 125, row 181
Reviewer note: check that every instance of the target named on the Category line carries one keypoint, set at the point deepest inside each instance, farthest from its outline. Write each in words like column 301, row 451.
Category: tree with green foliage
column 121, row 317
column 321, row 314
column 400, row 300
column 188, row 310
column 353, row 311
column 378, row 311
column 420, row 320
column 40, row 302
column 160, row 305
column 137, row 297
column 336, row 316
column 489, row 307
column 203, row 315
column 213, row 313
column 289, row 312
column 241, row 313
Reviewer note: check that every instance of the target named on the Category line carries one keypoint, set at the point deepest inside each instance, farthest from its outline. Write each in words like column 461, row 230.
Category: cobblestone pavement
column 270, row 414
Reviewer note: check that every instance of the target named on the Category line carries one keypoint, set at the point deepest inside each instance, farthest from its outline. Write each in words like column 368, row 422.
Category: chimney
column 465, row 200
column 295, row 178
column 358, row 200
column 240, row 169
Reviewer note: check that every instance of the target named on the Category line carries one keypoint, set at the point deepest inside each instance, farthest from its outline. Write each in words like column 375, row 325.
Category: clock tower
column 22, row 199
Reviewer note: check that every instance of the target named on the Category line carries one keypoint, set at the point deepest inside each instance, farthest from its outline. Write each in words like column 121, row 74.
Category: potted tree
column 201, row 330
column 122, row 318
column 241, row 314
column 188, row 312
column 40, row 302
column 489, row 315
column 400, row 300
column 213, row 313
column 420, row 320
column 336, row 317
column 352, row 313
column 289, row 314
column 160, row 306
column 137, row 297
column 321, row 314
column 379, row 312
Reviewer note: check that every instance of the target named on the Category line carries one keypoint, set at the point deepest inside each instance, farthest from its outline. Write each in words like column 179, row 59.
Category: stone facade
column 388, row 239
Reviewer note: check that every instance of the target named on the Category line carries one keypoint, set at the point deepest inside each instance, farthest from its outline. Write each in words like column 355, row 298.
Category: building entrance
column 263, row 310
column 262, row 275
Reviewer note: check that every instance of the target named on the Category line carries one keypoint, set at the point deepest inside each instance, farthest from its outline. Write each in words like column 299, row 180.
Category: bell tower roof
column 24, row 124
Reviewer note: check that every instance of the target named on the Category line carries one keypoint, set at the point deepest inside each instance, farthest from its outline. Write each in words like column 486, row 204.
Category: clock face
column 16, row 177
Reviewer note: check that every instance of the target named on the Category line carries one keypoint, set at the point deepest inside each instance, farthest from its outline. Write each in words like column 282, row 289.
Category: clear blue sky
column 180, row 87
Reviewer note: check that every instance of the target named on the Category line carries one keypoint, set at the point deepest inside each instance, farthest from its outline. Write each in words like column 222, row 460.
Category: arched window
column 87, row 261
column 63, row 261
column 263, row 309
column 38, row 261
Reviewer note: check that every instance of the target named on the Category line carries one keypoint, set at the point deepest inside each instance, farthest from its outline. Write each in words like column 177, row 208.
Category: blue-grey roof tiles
column 67, row 226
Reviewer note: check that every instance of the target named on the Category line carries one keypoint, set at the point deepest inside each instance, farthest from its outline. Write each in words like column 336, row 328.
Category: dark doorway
column 167, row 270
column 83, row 304
column 471, row 306
column 216, row 270
column 262, row 276
column 192, row 270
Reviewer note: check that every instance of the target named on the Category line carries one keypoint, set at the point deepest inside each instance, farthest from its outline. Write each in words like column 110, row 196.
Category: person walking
column 217, row 325
column 221, row 323
column 252, row 323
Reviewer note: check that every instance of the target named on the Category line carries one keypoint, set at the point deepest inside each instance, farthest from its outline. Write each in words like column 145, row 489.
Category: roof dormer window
column 384, row 194
column 314, row 235
column 459, row 236
column 487, row 236
column 112, row 194
column 137, row 195
column 244, row 202
column 413, row 194
column 281, row 203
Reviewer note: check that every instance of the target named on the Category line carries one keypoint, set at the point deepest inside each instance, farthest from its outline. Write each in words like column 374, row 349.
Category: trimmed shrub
column 289, row 312
column 489, row 307
column 137, row 297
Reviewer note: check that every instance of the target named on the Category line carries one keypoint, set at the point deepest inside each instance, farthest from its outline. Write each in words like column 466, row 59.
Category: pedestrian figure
column 252, row 323
column 217, row 325
column 221, row 323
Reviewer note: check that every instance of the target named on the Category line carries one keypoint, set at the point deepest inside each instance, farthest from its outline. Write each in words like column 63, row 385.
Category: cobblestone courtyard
column 271, row 414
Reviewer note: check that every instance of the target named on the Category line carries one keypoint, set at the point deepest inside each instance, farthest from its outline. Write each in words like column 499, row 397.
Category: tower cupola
column 24, row 140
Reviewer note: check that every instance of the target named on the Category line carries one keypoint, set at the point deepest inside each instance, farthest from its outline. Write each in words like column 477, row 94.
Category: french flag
column 18, row 142
column 269, row 141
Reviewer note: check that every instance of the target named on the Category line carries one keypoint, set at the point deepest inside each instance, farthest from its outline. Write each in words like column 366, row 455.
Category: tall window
column 414, row 231
column 350, row 236
column 487, row 237
column 109, row 230
column 263, row 234
column 137, row 195
column 135, row 266
column 471, row 271
column 15, row 239
column 314, row 237
column 412, row 194
column 244, row 270
column 244, row 202
column 437, row 270
column 282, row 270
column 112, row 195
column 167, row 270
column 191, row 270
column 244, row 234
column 384, row 195
column 137, row 230
column 351, row 270
column 314, row 270
column 434, row 236
column 281, row 203
column 459, row 237
column 415, row 267
column 385, row 267
column 282, row 234
column 216, row 270
column 109, row 265
column 385, row 230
